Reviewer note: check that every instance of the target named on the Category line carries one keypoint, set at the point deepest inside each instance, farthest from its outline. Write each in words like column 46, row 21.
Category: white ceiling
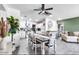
column 59, row 10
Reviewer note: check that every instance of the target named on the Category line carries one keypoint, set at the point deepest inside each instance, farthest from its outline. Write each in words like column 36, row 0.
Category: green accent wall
column 71, row 24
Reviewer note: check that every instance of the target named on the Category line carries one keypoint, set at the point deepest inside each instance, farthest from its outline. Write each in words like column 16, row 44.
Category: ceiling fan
column 43, row 10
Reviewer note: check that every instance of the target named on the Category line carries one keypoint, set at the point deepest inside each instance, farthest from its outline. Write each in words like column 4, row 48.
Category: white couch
column 72, row 39
column 67, row 38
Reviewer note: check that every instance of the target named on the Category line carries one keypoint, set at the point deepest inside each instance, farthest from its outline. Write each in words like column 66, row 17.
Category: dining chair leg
column 35, row 49
column 54, row 47
column 42, row 48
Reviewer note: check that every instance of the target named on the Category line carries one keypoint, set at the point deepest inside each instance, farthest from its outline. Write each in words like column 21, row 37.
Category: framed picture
column 51, row 25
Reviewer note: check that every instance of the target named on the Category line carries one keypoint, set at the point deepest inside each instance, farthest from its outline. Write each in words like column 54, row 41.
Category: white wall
column 2, row 11
column 3, row 14
column 12, row 12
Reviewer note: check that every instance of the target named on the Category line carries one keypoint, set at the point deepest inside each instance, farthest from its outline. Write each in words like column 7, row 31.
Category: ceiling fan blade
column 49, row 9
column 37, row 9
column 43, row 6
column 40, row 12
column 47, row 13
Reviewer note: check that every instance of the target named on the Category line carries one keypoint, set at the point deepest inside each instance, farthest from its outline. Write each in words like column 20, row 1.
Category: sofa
column 70, row 36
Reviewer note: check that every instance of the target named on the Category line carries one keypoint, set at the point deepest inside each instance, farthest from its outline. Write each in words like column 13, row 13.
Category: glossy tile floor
column 26, row 49
column 67, row 48
column 23, row 49
column 62, row 48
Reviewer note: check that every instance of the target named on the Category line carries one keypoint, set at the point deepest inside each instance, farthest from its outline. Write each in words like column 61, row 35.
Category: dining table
column 43, row 40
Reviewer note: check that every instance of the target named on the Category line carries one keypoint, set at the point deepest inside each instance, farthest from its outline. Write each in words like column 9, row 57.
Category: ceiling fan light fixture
column 44, row 10
column 51, row 15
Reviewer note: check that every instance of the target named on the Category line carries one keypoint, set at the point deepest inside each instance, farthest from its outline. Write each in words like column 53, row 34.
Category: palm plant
column 14, row 25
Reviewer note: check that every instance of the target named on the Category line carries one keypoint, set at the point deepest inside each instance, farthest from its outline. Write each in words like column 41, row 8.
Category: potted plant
column 14, row 25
